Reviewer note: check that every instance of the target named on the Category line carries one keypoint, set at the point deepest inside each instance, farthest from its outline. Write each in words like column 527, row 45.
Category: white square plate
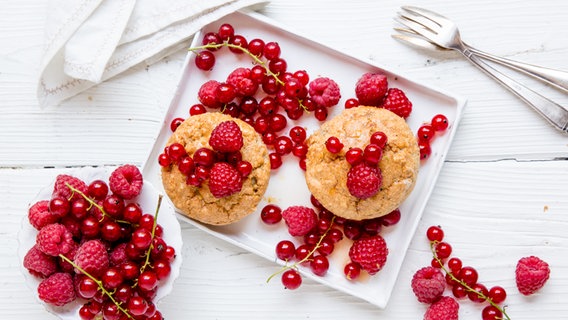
column 287, row 184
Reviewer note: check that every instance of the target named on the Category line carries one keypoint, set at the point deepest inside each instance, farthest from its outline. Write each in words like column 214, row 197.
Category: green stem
column 100, row 284
column 147, row 259
column 306, row 258
column 93, row 203
column 465, row 285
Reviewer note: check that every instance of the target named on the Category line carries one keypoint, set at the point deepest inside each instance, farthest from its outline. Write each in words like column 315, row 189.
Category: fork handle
column 557, row 78
column 550, row 110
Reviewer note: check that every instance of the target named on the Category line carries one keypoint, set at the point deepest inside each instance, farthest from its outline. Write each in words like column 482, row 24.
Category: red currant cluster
column 427, row 131
column 364, row 176
column 224, row 160
column 285, row 94
column 320, row 241
column 99, row 247
column 463, row 280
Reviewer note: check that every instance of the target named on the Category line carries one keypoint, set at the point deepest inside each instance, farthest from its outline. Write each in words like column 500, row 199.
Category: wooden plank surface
column 501, row 195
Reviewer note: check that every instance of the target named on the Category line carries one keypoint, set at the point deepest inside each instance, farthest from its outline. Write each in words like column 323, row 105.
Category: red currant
column 162, row 268
column 98, row 189
column 291, row 279
column 283, row 145
column 271, row 214
column 197, row 109
column 479, row 293
column 112, row 278
column 443, row 250
column 285, row 250
column 204, row 157
column 439, row 122
column 114, row 205
column 147, row 280
column 59, row 206
column 79, row 208
column 425, row 133
column 372, row 154
column 302, row 76
column 455, row 265
column 300, row 150
column 226, row 31
column 491, row 313
column 271, row 50
column 351, row 103
column 435, row 233
column 333, row 145
column 379, row 138
column 459, row 291
column 468, row 275
column 497, row 294
column 352, row 270
column 256, row 47
column 320, row 113
column 278, row 122
column 225, row 92
column 205, row 60
column 239, row 41
column 319, row 265
column 111, row 231
column 211, row 38
column 275, row 160
column 137, row 305
column 141, row 238
column 425, row 150
column 176, row 151
column 298, row 134
column 391, row 218
column 87, row 287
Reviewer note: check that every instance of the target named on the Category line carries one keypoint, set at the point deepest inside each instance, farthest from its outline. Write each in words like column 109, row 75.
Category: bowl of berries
column 100, row 242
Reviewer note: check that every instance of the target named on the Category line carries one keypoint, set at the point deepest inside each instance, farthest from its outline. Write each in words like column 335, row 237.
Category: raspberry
column 324, row 92
column 39, row 264
column 60, row 188
column 241, row 80
column 224, row 180
column 363, row 181
column 118, row 255
column 300, row 220
column 444, row 309
column 370, row 253
column 428, row 284
column 92, row 257
column 54, row 239
column 207, row 94
column 64, row 265
column 39, row 215
column 226, row 137
column 397, row 102
column 126, row 181
column 57, row 290
column 531, row 274
column 371, row 89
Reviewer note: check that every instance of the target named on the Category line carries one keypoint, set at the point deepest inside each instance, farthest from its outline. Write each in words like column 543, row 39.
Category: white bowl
column 147, row 199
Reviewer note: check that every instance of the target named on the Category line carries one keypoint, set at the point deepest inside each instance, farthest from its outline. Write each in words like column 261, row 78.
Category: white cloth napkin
column 90, row 41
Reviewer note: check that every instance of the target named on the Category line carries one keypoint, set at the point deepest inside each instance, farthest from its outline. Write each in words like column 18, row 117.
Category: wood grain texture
column 502, row 193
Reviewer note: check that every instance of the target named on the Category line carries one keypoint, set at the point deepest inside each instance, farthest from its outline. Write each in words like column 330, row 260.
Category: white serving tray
column 287, row 184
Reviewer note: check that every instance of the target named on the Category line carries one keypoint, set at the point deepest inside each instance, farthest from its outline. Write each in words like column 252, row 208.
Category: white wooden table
column 502, row 193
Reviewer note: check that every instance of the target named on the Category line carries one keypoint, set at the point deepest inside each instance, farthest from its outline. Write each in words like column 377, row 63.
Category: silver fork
column 427, row 26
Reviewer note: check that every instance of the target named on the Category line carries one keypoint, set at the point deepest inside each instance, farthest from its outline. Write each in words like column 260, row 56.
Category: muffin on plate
column 225, row 189
column 396, row 172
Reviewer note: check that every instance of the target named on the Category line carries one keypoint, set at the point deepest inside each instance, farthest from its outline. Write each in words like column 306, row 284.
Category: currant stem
column 100, row 284
column 93, row 203
column 147, row 259
column 255, row 58
column 306, row 258
column 465, row 285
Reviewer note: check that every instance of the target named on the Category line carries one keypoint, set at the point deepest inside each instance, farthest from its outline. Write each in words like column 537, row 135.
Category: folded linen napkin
column 90, row 41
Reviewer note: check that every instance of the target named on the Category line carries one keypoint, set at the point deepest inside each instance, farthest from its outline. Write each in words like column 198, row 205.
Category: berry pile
column 265, row 96
column 372, row 89
column 429, row 283
column 364, row 177
column 99, row 247
column 317, row 234
column 222, row 165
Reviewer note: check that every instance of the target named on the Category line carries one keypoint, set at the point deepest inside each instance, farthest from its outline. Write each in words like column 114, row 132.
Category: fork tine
column 426, row 22
column 428, row 14
column 416, row 40
column 416, row 27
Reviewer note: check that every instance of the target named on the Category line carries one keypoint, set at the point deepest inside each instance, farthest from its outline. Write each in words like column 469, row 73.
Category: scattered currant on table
column 112, row 256
column 428, row 131
column 430, row 282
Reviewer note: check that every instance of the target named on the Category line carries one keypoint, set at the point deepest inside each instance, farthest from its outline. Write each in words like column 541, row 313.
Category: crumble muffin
column 198, row 202
column 326, row 173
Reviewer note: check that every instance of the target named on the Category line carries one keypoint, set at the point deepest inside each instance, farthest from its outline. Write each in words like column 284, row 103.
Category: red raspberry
column 126, row 181
column 371, row 89
column 324, row 92
column 397, row 102
column 39, row 215
column 428, row 284
column 363, row 181
column 54, row 239
column 60, row 188
column 444, row 309
column 226, row 137
column 224, row 180
column 39, row 264
column 300, row 220
column 57, row 290
column 241, row 80
column 64, row 265
column 118, row 255
column 207, row 94
column 370, row 253
column 531, row 274
column 92, row 257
